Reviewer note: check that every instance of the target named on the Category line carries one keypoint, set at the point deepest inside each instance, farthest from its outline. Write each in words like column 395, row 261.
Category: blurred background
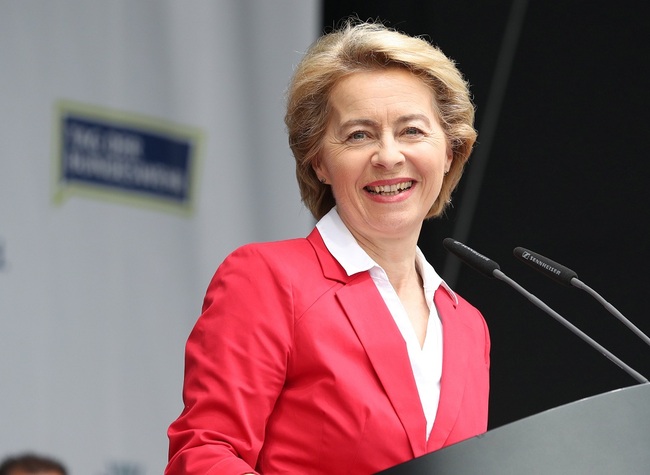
column 102, row 277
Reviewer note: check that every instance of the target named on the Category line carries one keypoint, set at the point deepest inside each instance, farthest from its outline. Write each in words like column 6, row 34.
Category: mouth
column 389, row 190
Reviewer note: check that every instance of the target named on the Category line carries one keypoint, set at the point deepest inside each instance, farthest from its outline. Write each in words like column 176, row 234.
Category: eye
column 413, row 131
column 358, row 135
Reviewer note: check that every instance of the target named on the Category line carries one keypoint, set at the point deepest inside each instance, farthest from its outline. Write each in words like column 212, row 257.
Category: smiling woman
column 367, row 47
column 385, row 155
column 345, row 352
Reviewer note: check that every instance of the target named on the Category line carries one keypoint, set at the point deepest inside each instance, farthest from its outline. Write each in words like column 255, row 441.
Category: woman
column 345, row 352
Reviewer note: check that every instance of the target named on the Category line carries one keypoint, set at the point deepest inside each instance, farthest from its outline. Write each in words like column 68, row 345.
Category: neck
column 395, row 256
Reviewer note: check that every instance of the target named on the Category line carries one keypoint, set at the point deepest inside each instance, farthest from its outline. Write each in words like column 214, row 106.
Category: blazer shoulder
column 290, row 261
column 298, row 255
column 468, row 309
column 285, row 253
column 295, row 268
column 474, row 319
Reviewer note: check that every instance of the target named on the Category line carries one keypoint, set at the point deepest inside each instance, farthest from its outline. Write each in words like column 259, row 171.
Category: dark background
column 564, row 175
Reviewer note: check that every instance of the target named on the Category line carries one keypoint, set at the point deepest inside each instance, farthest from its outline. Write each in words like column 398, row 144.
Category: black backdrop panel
column 566, row 176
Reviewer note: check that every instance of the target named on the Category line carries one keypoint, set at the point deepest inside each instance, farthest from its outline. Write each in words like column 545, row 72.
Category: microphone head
column 546, row 266
column 470, row 257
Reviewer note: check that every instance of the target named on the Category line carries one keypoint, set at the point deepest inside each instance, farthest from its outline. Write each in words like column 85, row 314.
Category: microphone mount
column 490, row 268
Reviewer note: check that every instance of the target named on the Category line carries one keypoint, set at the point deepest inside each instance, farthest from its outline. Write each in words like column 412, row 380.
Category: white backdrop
column 97, row 296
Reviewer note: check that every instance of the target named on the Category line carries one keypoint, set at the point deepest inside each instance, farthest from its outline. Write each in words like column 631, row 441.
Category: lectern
column 608, row 434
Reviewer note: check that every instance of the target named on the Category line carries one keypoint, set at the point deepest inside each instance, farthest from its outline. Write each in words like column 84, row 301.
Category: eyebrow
column 355, row 122
column 412, row 117
column 372, row 123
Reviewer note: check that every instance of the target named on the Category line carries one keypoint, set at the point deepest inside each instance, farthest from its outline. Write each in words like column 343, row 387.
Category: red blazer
column 296, row 368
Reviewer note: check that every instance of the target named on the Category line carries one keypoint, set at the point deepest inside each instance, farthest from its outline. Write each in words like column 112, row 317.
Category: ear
column 319, row 169
column 450, row 159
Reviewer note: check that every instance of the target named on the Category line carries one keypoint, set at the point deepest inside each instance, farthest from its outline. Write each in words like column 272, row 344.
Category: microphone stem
column 538, row 303
column 610, row 308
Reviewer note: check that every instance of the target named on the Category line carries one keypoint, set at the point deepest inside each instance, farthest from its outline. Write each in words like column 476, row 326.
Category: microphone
column 490, row 268
column 470, row 257
column 566, row 276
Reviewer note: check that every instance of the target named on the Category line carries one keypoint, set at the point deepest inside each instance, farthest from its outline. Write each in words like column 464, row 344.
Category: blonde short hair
column 362, row 46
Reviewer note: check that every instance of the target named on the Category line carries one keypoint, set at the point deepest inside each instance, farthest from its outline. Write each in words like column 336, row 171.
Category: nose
column 389, row 154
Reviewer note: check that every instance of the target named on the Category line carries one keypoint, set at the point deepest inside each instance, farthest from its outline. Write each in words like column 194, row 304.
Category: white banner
column 141, row 142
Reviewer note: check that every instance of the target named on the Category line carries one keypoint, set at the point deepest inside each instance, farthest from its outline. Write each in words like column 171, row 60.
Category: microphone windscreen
column 546, row 266
column 470, row 257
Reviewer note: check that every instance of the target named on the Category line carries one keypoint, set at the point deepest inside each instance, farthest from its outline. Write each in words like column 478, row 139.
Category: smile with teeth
column 389, row 190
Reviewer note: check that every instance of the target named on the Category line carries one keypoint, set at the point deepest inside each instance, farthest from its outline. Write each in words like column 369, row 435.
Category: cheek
column 436, row 187
column 344, row 170
column 329, row 164
column 340, row 188
column 436, row 181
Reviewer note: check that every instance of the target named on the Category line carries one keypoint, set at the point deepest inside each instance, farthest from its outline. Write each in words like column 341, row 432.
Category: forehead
column 379, row 91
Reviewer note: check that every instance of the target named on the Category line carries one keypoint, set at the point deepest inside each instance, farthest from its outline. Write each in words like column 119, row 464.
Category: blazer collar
column 331, row 268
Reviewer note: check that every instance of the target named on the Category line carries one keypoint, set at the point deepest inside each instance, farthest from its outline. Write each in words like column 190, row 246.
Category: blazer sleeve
column 235, row 364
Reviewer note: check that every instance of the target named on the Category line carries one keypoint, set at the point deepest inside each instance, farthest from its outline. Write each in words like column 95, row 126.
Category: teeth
column 390, row 189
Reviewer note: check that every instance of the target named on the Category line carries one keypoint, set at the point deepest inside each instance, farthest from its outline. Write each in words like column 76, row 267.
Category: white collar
column 346, row 250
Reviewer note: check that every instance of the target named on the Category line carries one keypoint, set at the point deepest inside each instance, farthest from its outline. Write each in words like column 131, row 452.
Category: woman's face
column 384, row 153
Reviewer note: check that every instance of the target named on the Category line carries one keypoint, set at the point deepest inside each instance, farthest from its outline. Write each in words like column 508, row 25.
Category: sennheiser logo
column 529, row 257
column 481, row 256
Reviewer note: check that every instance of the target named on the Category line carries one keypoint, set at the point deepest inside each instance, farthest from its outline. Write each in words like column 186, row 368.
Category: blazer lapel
column 387, row 353
column 454, row 369
column 381, row 340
